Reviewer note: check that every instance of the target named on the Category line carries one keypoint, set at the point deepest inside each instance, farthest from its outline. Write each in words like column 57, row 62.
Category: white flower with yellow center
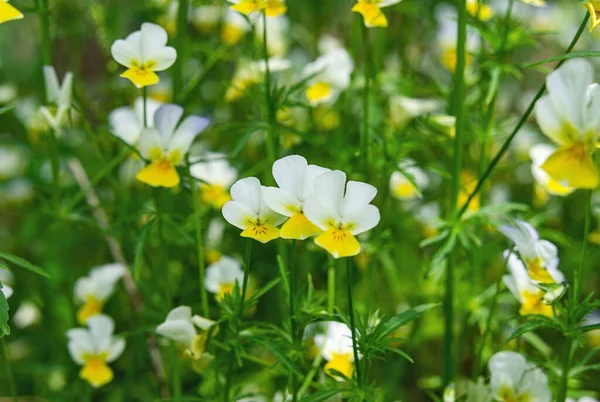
column 180, row 326
column 372, row 13
column 524, row 289
column 404, row 189
column 593, row 7
column 222, row 276
column 402, row 109
column 329, row 76
column 249, row 73
column 143, row 53
column 335, row 345
column 94, row 347
column 8, row 12
column 166, row 145
column 540, row 256
column 248, row 211
column 277, row 34
column 218, row 176
column 127, row 122
column 58, row 97
column 513, row 379
column 539, row 153
column 272, row 8
column 342, row 212
column 235, row 26
column 568, row 116
column 296, row 181
column 93, row 291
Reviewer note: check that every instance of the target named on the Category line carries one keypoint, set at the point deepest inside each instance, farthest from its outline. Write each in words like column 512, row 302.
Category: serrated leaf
column 18, row 261
column 259, row 293
column 279, row 354
column 531, row 325
column 322, row 395
column 140, row 246
column 4, row 328
column 572, row 55
column 407, row 316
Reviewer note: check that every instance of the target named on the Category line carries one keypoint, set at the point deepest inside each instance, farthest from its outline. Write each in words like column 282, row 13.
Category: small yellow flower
column 593, row 7
column 479, row 10
column 272, row 8
column 371, row 12
column 8, row 12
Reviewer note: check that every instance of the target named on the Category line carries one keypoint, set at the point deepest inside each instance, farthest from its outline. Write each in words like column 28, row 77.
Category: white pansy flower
column 248, row 211
column 539, row 153
column 143, row 53
column 342, row 212
column 218, row 176
column 94, row 347
column 206, row 17
column 127, row 122
column 277, row 34
column 58, row 97
column 27, row 314
column 166, row 145
column 335, row 346
column 568, row 116
column 404, row 189
column 93, row 291
column 221, row 276
column 235, row 26
column 515, row 379
column 249, row 73
column 330, row 75
column 296, row 181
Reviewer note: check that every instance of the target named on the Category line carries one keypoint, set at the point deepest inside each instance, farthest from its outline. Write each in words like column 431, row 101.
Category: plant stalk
column 330, row 285
column 182, row 19
column 293, row 328
column 200, row 247
column 270, row 140
column 352, row 323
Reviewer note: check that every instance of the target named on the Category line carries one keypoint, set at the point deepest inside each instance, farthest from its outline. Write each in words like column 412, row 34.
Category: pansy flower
column 93, row 291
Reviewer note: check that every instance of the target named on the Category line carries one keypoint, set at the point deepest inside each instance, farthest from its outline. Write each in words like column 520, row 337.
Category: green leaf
column 531, row 325
column 18, row 261
column 140, row 246
column 4, row 266
column 258, row 294
column 6, row 109
column 279, row 354
column 322, row 395
column 4, row 328
column 407, row 316
column 572, row 55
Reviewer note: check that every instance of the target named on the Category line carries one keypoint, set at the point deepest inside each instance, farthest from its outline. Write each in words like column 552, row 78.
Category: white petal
column 317, row 213
column 506, row 369
column 151, row 107
column 567, row 87
column 125, row 53
column 83, row 288
column 186, row 133
column 163, row 58
column 329, row 189
column 80, row 343
column 66, row 90
column 180, row 313
column 548, row 253
column 289, row 174
column 358, row 196
column 115, row 350
column 550, row 121
column 149, row 140
column 535, row 384
column 237, row 214
column 366, row 219
column 106, row 277
column 125, row 125
column 387, row 3
column 279, row 201
column 248, row 192
column 101, row 328
column 180, row 331
column 7, row 290
column 165, row 121
column 202, row 323
column 312, row 172
column 152, row 37
column 591, row 117
column 52, row 86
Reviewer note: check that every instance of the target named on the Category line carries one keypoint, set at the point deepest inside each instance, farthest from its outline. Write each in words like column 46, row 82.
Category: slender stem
column 520, row 124
column 164, row 257
column 487, row 330
column 200, row 247
column 308, row 379
column 330, row 285
column 365, row 134
column 270, row 140
column 352, row 324
column 177, row 393
column 12, row 385
column 564, row 380
column 293, row 330
column 246, row 277
column 182, row 19
column 230, row 360
column 44, row 14
column 145, row 98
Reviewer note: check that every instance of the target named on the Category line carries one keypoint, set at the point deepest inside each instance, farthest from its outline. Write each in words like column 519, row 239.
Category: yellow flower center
column 260, row 231
column 338, row 240
column 159, row 173
column 299, row 227
column 538, row 272
column 573, row 166
column 8, row 12
column 91, row 307
column 95, row 370
column 231, row 34
column 371, row 13
column 318, row 92
column 405, row 190
column 340, row 363
column 533, row 304
column 141, row 75
column 478, row 10
column 214, row 195
column 225, row 289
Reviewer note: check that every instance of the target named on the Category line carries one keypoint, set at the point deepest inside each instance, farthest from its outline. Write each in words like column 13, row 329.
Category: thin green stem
column 12, row 385
column 270, row 140
column 164, row 258
column 200, row 247
column 177, row 393
column 352, row 323
column 293, row 330
column 330, row 285
column 44, row 13
column 145, row 103
column 566, row 367
column 316, row 366
column 520, row 124
column 365, row 140
column 182, row 19
column 487, row 330
column 246, row 277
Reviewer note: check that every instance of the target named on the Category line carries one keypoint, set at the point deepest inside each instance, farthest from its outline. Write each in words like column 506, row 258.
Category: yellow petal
column 341, row 364
column 263, row 233
column 214, row 195
column 275, row 8
column 159, row 174
column 533, row 305
column 594, row 15
column 405, row 190
column 231, row 35
column 247, row 7
column 572, row 165
column 372, row 14
column 539, row 273
column 96, row 372
column 91, row 308
column 212, row 256
column 299, row 227
column 8, row 13
column 339, row 242
column 225, row 289
column 318, row 92
column 141, row 77
column 479, row 10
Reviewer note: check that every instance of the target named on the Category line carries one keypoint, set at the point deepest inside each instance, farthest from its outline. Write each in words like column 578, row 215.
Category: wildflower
column 593, row 319
column 8, row 12
column 479, row 10
column 166, row 145
column 58, row 96
column 235, row 26
column 540, row 256
column 143, row 53
column 567, row 115
column 249, row 73
column 539, row 153
column 514, row 379
column 94, row 347
column 296, row 179
column 248, row 211
column 404, row 188
column 524, row 289
column 223, row 275
column 271, row 8
column 402, row 109
column 13, row 162
column 213, row 239
column 593, row 7
column 127, row 122
column 445, row 123
column 93, row 290
column 329, row 76
column 180, row 327
column 217, row 176
column 371, row 11
column 341, row 214
column 428, row 215
column 335, row 345
column 27, row 314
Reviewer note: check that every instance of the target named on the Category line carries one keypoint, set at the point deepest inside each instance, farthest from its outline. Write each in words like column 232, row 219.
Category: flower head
column 342, row 212
column 335, row 345
column 143, row 53
column 249, row 73
column 8, row 12
column 235, row 26
column 330, row 75
column 479, row 10
column 93, row 290
column 271, row 8
column 568, row 116
column 127, row 122
column 7, row 290
column 296, row 181
column 402, row 187
column 166, row 145
column 514, row 379
column 94, row 347
column 218, row 176
column 248, row 211
column 222, row 276
column 58, row 97
column 371, row 11
column 539, row 153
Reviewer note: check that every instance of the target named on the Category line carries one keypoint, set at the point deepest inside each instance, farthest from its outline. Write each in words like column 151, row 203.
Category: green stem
column 199, row 247
column 521, row 122
column 293, row 330
column 182, row 18
column 365, row 134
column 270, row 140
column 44, row 14
column 352, row 323
column 246, row 277
column 177, row 393
column 330, row 285
column 487, row 330
column 164, row 257
column 564, row 380
column 145, row 104
column 315, row 368
column 12, row 385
